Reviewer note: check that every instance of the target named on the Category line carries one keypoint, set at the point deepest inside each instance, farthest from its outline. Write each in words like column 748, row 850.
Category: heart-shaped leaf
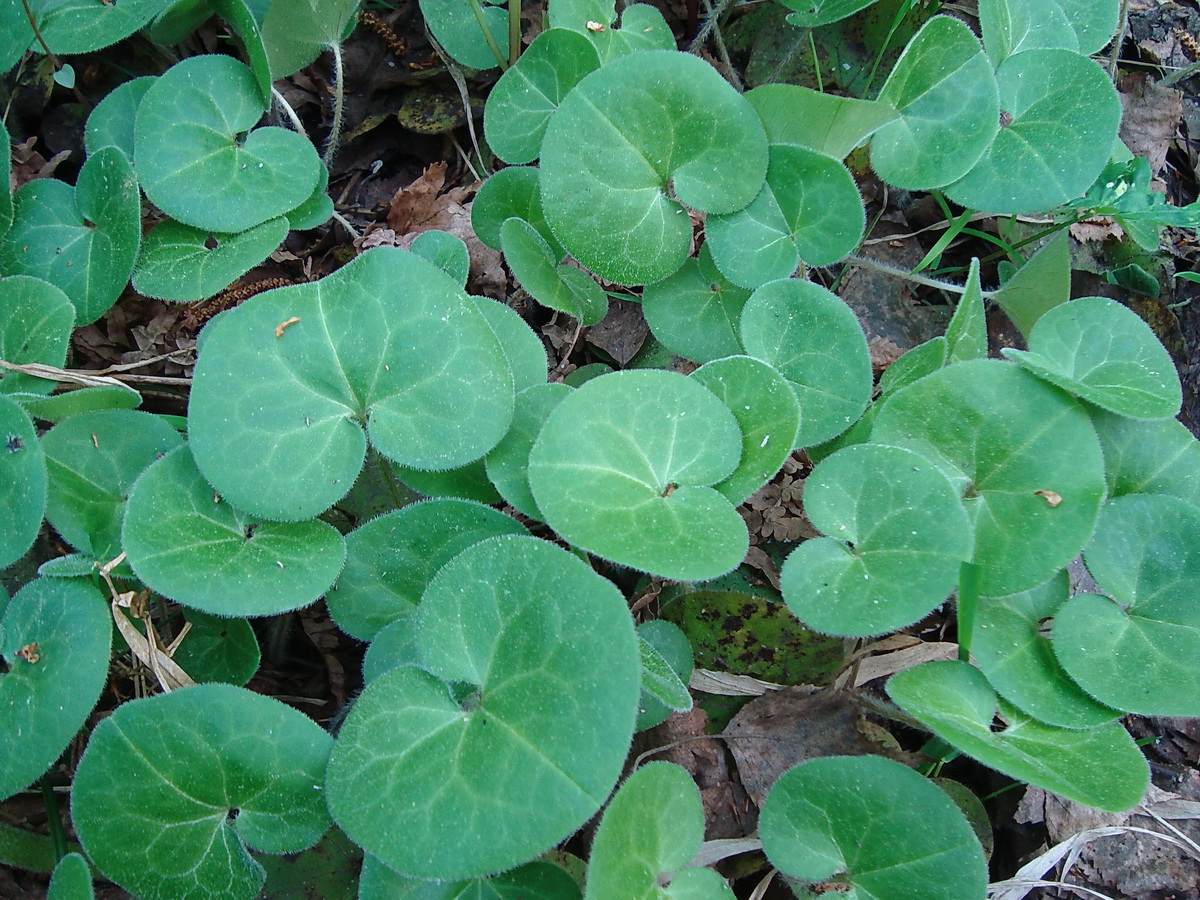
column 1040, row 285
column 1094, row 22
column 822, row 122
column 522, row 101
column 1010, row 26
column 35, row 327
column 870, row 827
column 633, row 141
column 624, row 468
column 55, row 642
column 695, row 312
column 390, row 560
column 285, row 381
column 1062, row 113
column 295, row 32
column 512, row 193
column 92, row 460
column 394, row 645
column 461, row 35
column 816, row 343
column 445, row 251
column 1137, row 652
column 184, row 264
column 469, row 482
column 564, row 288
column 192, row 162
column 1105, row 353
column 1011, row 444
column 808, row 210
column 22, row 482
column 72, row 880
column 672, row 646
column 508, row 462
column 84, row 239
column 218, row 648
column 522, row 715
column 110, row 124
column 652, row 827
column 525, row 351
column 898, row 534
column 642, row 28
column 1140, row 457
column 72, row 403
column 190, row 544
column 200, row 774
column 923, row 359
column 538, row 880
column 813, row 13
column 79, row 26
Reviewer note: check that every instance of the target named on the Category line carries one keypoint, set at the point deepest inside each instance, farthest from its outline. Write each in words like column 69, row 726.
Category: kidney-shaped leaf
column 523, row 716
column 55, row 642
column 1100, row 767
column 110, row 124
column 823, row 122
column 1094, row 22
column 624, row 468
column 190, row 544
column 1105, row 353
column 285, row 381
column 459, row 32
column 35, row 327
column 564, row 288
column 873, row 828
column 1138, row 651
column 631, row 132
column 695, row 312
column 508, row 462
column 22, row 482
column 80, row 26
column 1160, row 457
column 72, row 880
column 200, row 775
column 538, row 880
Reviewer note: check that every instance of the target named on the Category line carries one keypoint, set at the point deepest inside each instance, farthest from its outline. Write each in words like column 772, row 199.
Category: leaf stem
column 54, row 60
column 477, row 8
column 58, row 837
column 812, row 44
column 514, row 32
column 968, row 605
column 339, row 103
column 868, row 263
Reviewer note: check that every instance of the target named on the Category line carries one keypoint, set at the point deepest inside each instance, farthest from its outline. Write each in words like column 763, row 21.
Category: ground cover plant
column 381, row 443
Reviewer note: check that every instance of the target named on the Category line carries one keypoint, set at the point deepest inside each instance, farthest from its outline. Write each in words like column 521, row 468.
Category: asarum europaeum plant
column 505, row 677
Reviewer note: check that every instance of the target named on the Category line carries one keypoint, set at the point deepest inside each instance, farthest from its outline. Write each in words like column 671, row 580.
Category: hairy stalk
column 339, row 102
column 289, row 112
column 869, row 263
column 1118, row 40
column 54, row 60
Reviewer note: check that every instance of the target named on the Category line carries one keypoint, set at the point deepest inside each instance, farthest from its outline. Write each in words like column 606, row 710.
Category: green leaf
column 35, row 327
column 522, row 101
column 72, row 880
column 393, row 645
column 83, row 240
column 1148, row 457
column 73, row 565
column 1008, row 646
column 817, row 344
column 295, row 32
column 329, row 870
column 946, row 95
column 695, row 312
column 1038, row 286
column 72, row 403
column 535, row 732
column 390, row 560
column 914, row 364
column 174, row 24
column 575, row 14
column 873, row 828
column 1100, row 767
column 1094, row 22
column 6, row 204
column 445, row 251
column 22, row 482
column 808, row 210
column 1009, row 442
column 624, row 468
column 642, row 28
column 217, row 648
column 966, row 335
column 814, row 13
column 660, row 680
column 898, row 535
column 185, row 264
column 629, row 132
column 193, row 162
column 538, row 880
column 822, row 122
column 469, row 482
column 534, row 265
column 672, row 646
column 243, row 17
column 767, row 413
column 454, row 26
column 508, row 461
column 653, row 826
column 525, row 351
column 316, row 210
column 92, row 460
column 1137, row 652
column 190, row 544
column 388, row 339
column 512, row 193
column 1064, row 117
column 110, row 124
column 80, row 26
column 1011, row 26
column 54, row 640
column 199, row 774
column 1106, row 354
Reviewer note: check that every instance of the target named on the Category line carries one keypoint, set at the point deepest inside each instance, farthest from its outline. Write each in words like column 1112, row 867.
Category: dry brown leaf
column 885, row 664
column 1150, row 119
column 622, row 331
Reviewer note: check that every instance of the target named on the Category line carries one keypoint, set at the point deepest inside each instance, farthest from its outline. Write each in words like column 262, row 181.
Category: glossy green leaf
column 84, row 239
column 1010, row 443
column 629, row 131
column 508, row 462
column 822, row 122
column 92, row 460
column 193, row 162
column 186, row 264
column 525, row 351
column 512, row 193
column 445, row 251
column 564, row 287
column 522, row 101
column 766, row 410
column 469, row 482
column 389, row 339
column 57, row 407
column 695, row 312
column 1009, row 647
column 808, row 210
column 1064, row 117
column 817, row 344
column 1160, row 457
column 72, row 880
column 1100, row 767
column 217, row 648
column 672, row 646
column 538, row 880
column 1011, row 26
column 625, row 466
column 190, row 544
column 652, row 827
column 295, row 32
column 54, row 641
column 523, row 716
column 946, row 94
column 199, row 774
column 35, row 327
column 455, row 27
column 22, row 482
column 966, row 335
column 1105, row 353
column 871, row 828
column 898, row 534
column 110, row 124
column 80, row 26
column 390, row 560
column 1137, row 651
column 1038, row 286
